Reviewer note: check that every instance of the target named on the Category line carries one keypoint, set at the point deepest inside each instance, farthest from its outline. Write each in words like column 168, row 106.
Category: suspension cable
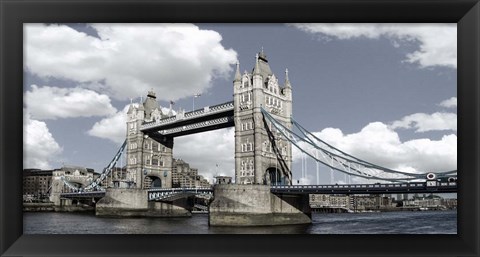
column 306, row 133
column 343, row 159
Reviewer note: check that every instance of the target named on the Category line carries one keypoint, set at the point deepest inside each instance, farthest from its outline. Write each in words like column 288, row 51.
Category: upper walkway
column 207, row 118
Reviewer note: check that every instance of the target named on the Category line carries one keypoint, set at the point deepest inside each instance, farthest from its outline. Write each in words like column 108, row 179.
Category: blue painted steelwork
column 96, row 183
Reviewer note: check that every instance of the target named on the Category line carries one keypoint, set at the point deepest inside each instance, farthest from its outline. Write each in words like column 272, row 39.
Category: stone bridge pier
column 254, row 205
column 134, row 202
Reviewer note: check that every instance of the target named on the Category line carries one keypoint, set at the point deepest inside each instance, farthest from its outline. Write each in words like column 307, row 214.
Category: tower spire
column 257, row 68
column 262, row 55
column 130, row 108
column 238, row 77
column 140, row 105
column 287, row 80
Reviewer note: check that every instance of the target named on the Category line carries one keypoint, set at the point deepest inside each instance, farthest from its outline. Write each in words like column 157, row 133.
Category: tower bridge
column 265, row 132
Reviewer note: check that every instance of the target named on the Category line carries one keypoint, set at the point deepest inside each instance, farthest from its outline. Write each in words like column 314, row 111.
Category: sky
column 386, row 93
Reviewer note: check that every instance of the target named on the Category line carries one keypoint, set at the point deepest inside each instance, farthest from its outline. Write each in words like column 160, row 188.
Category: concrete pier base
column 254, row 205
column 133, row 202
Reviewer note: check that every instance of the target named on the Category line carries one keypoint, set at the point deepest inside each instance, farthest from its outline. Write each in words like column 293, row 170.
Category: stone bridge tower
column 149, row 160
column 262, row 156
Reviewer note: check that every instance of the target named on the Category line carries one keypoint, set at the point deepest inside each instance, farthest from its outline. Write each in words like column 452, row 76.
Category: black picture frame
column 14, row 13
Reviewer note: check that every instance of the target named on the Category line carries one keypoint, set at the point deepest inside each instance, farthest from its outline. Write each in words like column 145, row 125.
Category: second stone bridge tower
column 262, row 155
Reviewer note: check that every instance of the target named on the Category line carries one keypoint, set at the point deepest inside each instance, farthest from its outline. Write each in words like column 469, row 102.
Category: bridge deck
column 417, row 187
column 155, row 194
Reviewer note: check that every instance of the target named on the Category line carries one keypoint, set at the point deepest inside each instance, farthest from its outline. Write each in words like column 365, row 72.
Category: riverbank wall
column 51, row 207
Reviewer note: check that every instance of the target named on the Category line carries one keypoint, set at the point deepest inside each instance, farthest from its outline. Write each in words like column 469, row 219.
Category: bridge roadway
column 390, row 188
column 170, row 194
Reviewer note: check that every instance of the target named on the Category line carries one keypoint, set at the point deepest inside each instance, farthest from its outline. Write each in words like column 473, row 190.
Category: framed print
column 130, row 71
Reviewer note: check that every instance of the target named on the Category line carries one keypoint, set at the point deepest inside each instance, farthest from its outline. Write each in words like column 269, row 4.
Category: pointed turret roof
column 140, row 105
column 287, row 80
column 131, row 107
column 150, row 104
column 238, row 77
column 261, row 65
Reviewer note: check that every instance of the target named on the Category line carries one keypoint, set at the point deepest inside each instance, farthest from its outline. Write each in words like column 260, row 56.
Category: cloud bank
column 39, row 145
column 437, row 42
column 423, row 122
column 46, row 102
column 127, row 60
column 449, row 103
column 378, row 143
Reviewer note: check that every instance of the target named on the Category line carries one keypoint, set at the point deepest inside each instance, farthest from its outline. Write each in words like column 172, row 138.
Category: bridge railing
column 179, row 189
column 165, row 193
column 413, row 187
column 359, row 186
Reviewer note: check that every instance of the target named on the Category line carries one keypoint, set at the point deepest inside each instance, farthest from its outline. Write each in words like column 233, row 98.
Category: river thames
column 419, row 222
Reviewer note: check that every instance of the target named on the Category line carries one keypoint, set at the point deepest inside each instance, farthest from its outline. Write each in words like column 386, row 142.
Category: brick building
column 36, row 183
column 185, row 176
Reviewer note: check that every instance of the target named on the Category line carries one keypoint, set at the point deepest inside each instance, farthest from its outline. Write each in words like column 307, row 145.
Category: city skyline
column 383, row 92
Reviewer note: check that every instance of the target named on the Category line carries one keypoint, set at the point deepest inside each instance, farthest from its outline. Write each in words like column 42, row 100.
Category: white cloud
column 449, row 103
column 423, row 122
column 205, row 150
column 113, row 127
column 127, row 60
column 54, row 102
column 39, row 146
column 379, row 144
column 437, row 42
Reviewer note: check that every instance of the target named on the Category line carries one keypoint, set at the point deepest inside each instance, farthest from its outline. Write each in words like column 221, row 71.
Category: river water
column 420, row 222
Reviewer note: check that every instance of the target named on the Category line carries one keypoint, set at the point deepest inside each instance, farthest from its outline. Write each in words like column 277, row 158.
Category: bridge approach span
column 393, row 188
column 169, row 194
